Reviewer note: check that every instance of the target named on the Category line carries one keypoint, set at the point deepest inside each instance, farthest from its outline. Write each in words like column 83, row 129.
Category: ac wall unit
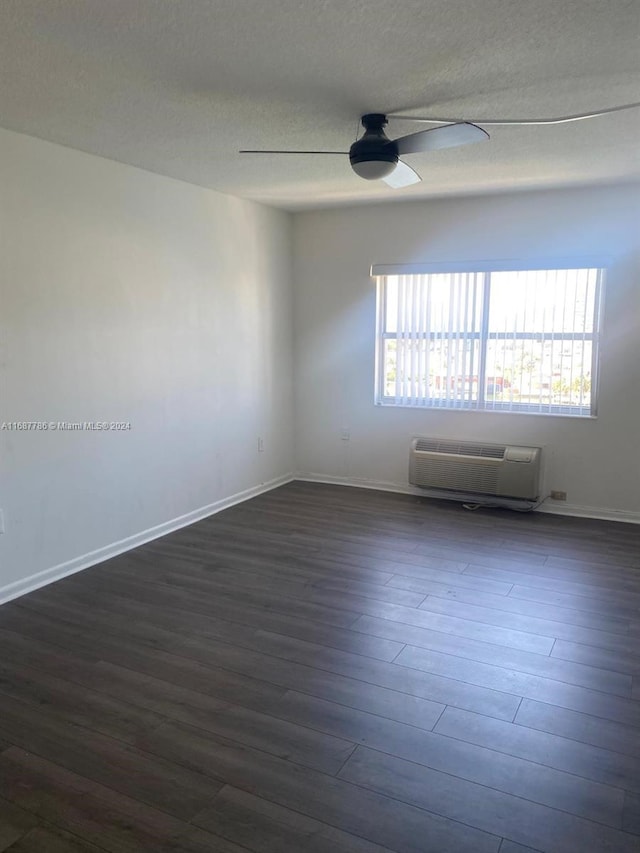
column 498, row 470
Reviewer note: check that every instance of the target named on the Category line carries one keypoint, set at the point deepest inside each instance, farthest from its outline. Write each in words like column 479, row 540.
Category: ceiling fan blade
column 449, row 136
column 402, row 176
column 252, row 151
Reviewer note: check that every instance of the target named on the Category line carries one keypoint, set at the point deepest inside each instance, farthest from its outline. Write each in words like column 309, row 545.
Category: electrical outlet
column 558, row 496
column 345, row 434
column 260, row 445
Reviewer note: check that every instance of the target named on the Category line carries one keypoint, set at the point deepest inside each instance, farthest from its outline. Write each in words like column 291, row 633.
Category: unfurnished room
column 319, row 426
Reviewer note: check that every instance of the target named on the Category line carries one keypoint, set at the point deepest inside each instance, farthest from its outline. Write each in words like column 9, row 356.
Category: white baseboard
column 600, row 513
column 22, row 587
column 377, row 485
column 551, row 507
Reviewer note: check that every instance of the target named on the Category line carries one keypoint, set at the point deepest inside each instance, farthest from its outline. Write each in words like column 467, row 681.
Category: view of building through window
column 523, row 340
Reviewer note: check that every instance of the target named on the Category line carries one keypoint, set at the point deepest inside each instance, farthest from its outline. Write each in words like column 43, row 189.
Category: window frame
column 380, row 272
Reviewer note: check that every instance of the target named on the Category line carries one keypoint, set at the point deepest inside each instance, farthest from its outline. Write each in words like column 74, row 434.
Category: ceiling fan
column 376, row 157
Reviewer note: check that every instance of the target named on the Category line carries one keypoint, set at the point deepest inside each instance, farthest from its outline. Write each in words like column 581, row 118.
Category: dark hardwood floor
column 331, row 670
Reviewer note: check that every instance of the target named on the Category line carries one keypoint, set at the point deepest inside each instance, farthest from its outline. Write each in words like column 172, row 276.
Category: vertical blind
column 502, row 340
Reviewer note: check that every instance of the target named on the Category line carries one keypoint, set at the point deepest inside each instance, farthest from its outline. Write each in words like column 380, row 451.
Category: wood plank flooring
column 331, row 670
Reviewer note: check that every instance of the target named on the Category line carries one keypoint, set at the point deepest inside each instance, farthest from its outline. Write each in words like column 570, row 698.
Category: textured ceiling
column 178, row 86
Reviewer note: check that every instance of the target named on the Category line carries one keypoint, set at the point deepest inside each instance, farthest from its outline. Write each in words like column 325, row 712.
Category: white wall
column 596, row 461
column 126, row 296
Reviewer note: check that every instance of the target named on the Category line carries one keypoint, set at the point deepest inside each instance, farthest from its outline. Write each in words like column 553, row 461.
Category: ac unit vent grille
column 475, row 467
column 461, row 448
column 445, row 474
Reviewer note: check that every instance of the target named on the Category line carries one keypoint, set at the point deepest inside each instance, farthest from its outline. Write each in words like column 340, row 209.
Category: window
column 496, row 339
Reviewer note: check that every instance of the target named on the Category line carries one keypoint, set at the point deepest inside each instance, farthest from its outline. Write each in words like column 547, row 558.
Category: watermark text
column 65, row 426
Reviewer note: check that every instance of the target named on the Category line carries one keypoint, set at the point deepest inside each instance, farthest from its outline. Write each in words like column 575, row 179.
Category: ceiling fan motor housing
column 373, row 156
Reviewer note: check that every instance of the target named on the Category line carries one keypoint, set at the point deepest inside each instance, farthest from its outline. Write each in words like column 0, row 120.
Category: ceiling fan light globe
column 373, row 170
